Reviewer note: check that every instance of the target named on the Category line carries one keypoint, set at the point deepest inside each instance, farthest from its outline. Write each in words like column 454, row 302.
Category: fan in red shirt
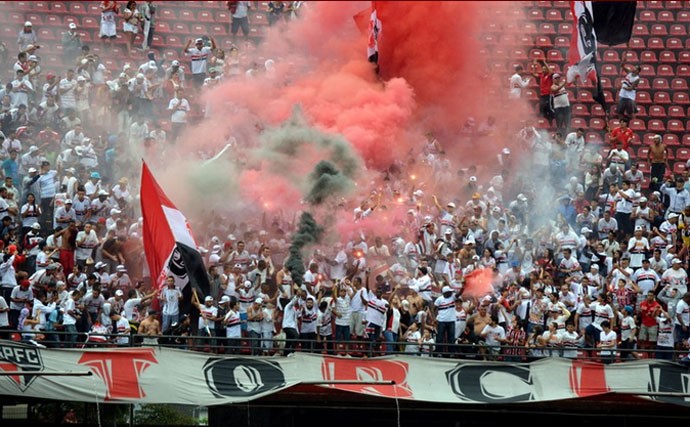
column 545, row 77
column 622, row 133
column 649, row 327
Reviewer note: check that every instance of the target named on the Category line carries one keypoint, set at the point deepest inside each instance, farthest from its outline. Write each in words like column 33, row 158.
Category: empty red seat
column 648, row 56
column 643, row 97
column 547, row 28
column 611, row 55
column 660, row 83
column 204, row 16
column 684, row 57
column 186, row 15
column 683, row 153
column 671, row 139
column 642, row 85
column 657, row 111
column 222, row 16
column 180, row 29
column 561, row 4
column 565, row 28
column 597, row 123
column 535, row 15
column 656, row 125
column 57, row 7
column 665, row 16
column 609, row 70
column 683, row 70
column 527, row 28
column 163, row 28
column 521, row 54
column 679, row 168
column 173, row 41
column 630, row 56
column 683, row 16
column 89, row 22
column 665, row 71
column 647, row 70
column 657, row 30
column 578, row 122
column 655, row 43
column 686, row 140
column 77, row 8
column 637, row 125
column 681, row 98
column 662, row 98
column 647, row 16
column 219, row 30
column 584, row 97
column 543, row 42
column 640, row 30
column 676, row 111
column 34, row 18
column 46, row 34
column 579, row 110
column 677, row 30
column 554, row 15
column 593, row 138
column 554, row 55
column 167, row 14
column 679, row 84
column 597, row 110
column 674, row 43
column 675, row 125
column 561, row 41
column 667, row 56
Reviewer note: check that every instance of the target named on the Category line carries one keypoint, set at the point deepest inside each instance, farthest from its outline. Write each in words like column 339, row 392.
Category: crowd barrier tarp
column 165, row 375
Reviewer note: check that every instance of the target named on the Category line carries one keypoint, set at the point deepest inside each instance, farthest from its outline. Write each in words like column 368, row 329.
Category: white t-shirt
column 171, row 301
column 179, row 108
column 627, row 89
column 199, row 58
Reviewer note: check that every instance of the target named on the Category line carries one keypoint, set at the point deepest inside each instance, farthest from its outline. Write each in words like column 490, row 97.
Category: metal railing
column 278, row 346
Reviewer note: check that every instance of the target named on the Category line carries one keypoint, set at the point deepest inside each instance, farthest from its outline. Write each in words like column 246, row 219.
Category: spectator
column 71, row 44
column 628, row 92
column 108, row 31
column 148, row 16
column 27, row 37
column 518, row 83
column 545, row 76
column 561, row 104
column 199, row 55
column 130, row 25
column 239, row 12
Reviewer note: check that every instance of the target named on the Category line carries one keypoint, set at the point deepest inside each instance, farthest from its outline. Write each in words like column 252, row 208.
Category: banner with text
column 163, row 375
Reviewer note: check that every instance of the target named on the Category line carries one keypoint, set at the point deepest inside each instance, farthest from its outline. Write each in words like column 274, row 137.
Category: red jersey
column 647, row 310
column 622, row 135
column 545, row 83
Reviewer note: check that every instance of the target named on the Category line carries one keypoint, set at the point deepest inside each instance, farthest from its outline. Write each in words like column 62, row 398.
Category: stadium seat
column 653, row 4
column 679, row 84
column 656, row 111
column 53, row 21
column 77, row 8
column 561, row 41
column 678, row 168
column 665, row 71
column 681, row 98
column 671, row 139
column 660, row 83
column 667, row 57
column 186, row 15
column 578, row 122
column 648, row 56
column 554, row 55
column 677, row 30
column 219, row 30
column 221, row 16
column 608, row 97
column 561, row 4
column 657, row 30
column 35, row 19
column 665, row 16
column 89, row 22
column 593, row 138
column 69, row 19
column 656, row 125
column 173, row 41
column 637, row 43
column 584, row 97
column 644, row 167
column 36, row 6
column 673, row 4
column 676, row 111
column 565, row 28
column 605, row 82
column 597, row 123
column 642, row 153
column 647, row 16
column 609, row 70
column 523, row 40
column 46, row 34
column 521, row 55
column 640, row 30
column 662, row 98
column 579, row 110
column 547, row 28
column 167, row 14
column 180, row 29
column 683, row 70
column 535, row 15
column 630, row 56
column 611, row 55
column 686, row 140
column 683, row 16
column 683, row 154
column 674, row 125
column 642, row 85
column 554, row 15
column 637, row 125
column 163, row 28
column 684, row 57
column 647, row 70
column 674, row 43
column 517, row 14
column 641, row 111
column 94, row 9
column 597, row 110
column 543, row 42
column 205, row 16
column 527, row 28
column 198, row 29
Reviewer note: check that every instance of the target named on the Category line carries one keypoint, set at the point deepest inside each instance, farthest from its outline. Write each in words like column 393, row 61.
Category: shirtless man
column 68, row 245
column 150, row 328
column 658, row 157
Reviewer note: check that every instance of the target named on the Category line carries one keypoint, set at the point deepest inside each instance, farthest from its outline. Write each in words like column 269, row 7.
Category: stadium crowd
column 591, row 259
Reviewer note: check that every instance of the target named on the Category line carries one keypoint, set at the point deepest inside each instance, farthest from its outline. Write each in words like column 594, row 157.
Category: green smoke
column 326, row 181
column 308, row 232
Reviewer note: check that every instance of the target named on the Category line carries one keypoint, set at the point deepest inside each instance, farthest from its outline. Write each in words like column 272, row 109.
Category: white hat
column 639, row 228
column 81, row 79
column 33, row 170
column 231, row 237
column 103, row 193
column 473, row 179
column 216, row 248
column 99, row 265
column 451, row 205
column 208, row 298
column 121, row 268
column 585, row 230
column 175, row 63
column 71, row 170
column 506, row 151
column 238, row 266
column 36, row 226
column 418, row 193
column 28, row 24
column 32, row 58
column 72, row 26
column 449, row 231
column 594, row 266
column 673, row 215
column 259, row 301
column 152, row 64
column 115, row 211
column 199, row 40
column 224, row 299
column 140, row 76
column 676, row 261
column 68, row 201
column 521, row 197
column 214, row 259
column 643, row 199
column 119, row 293
column 410, row 211
column 33, row 149
column 446, row 289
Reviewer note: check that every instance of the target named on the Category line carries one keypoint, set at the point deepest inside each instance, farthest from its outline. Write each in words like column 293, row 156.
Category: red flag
column 169, row 245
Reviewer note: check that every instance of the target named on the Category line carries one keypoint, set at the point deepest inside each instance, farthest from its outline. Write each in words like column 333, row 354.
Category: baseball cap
column 28, row 24
column 224, row 299
column 114, row 211
column 446, row 289
column 585, row 230
column 36, row 226
column 33, row 170
column 259, row 301
column 208, row 298
column 676, row 261
column 32, row 58
column 175, row 63
column 199, row 40
column 451, row 205
column 121, row 268
column 81, row 79
column 643, row 199
column 594, row 266
column 119, row 293
column 672, row 215
column 506, row 151
column 72, row 26
column 68, row 201
column 638, row 228
column 473, row 179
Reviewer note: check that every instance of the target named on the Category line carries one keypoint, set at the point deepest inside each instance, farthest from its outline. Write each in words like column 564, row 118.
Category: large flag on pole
column 374, row 32
column 596, row 22
column 168, row 242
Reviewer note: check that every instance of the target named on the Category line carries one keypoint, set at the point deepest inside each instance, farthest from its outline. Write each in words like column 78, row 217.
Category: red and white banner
column 163, row 375
column 583, row 44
